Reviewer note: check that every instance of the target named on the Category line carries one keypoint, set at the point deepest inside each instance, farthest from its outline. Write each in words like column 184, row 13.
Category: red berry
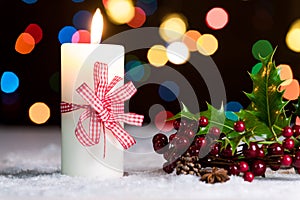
column 160, row 137
column 215, row 149
column 168, row 167
column 215, row 132
column 193, row 150
column 182, row 143
column 296, row 130
column 287, row 132
column 203, row 121
column 239, row 126
column 176, row 124
column 248, row 176
column 275, row 167
column 172, row 136
column 286, row 160
column 258, row 167
column 234, row 170
column 227, row 152
column 251, row 151
column 243, row 166
column 200, row 142
column 296, row 160
column 275, row 149
column 260, row 153
column 288, row 143
column 158, row 147
column 189, row 133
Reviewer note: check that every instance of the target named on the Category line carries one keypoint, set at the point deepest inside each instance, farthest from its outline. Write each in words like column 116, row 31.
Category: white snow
column 30, row 169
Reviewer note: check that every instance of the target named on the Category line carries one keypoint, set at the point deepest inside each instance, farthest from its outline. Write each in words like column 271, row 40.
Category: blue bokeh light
column 78, row 1
column 134, row 70
column 9, row 82
column 30, row 1
column 168, row 91
column 149, row 6
column 82, row 19
column 65, row 34
column 233, row 106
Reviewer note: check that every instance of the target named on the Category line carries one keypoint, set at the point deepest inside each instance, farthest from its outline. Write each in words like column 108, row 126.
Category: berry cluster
column 249, row 160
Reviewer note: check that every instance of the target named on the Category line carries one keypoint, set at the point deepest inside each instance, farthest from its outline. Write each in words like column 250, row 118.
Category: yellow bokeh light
column 157, row 55
column 207, row 44
column 293, row 40
column 120, row 11
column 39, row 113
column 295, row 24
column 173, row 27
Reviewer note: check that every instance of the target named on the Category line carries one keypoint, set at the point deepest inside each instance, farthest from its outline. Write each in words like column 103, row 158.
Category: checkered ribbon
column 105, row 109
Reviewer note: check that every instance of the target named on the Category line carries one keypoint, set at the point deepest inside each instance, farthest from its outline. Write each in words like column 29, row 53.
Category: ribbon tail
column 68, row 107
column 124, row 138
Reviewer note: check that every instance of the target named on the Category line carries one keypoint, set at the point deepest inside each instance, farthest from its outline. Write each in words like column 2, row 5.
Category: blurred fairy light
column 178, row 53
column 157, row 55
column 217, row 18
column 286, row 74
column 173, row 27
column 207, row 44
column 293, row 40
column 190, row 39
column 39, row 113
column 139, row 18
column 9, row 82
column 120, row 11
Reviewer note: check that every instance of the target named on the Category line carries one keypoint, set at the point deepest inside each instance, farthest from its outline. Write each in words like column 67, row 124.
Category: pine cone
column 187, row 164
column 214, row 175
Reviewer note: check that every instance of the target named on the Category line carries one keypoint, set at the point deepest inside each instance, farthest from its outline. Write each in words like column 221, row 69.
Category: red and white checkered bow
column 104, row 108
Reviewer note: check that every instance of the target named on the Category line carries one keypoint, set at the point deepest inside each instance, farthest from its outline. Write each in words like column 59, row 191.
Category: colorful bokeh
column 9, row 82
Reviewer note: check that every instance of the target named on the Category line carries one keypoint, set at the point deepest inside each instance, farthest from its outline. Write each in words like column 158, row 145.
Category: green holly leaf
column 297, row 107
column 184, row 113
column 253, row 123
column 217, row 118
column 266, row 101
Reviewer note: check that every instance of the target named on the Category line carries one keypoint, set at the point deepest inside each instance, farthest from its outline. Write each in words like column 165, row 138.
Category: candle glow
column 96, row 27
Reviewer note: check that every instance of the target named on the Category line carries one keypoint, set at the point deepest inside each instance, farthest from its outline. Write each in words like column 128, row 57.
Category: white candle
column 77, row 64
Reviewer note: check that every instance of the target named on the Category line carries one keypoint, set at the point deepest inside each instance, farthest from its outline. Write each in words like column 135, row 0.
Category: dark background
column 233, row 58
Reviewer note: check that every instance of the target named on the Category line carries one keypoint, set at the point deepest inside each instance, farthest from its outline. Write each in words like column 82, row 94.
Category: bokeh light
column 293, row 40
column 297, row 121
column 233, row 106
column 78, row 1
column 54, row 82
column 82, row 20
column 147, row 72
column 168, row 91
column 9, row 82
column 256, row 68
column 134, row 70
column 157, row 55
column 261, row 48
column 173, row 27
column 35, row 31
column 231, row 116
column 81, row 36
column 120, row 11
column 30, row 1
column 161, row 122
column 178, row 53
column 190, row 39
column 291, row 91
column 207, row 44
column 286, row 74
column 39, row 113
column 25, row 43
column 139, row 18
column 10, row 99
column 65, row 34
column 217, row 18
column 149, row 6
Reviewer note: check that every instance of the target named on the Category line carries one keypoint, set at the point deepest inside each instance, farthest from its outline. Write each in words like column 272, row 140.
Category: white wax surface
column 77, row 64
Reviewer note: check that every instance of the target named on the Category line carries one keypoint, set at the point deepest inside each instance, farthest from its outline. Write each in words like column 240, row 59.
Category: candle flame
column 97, row 27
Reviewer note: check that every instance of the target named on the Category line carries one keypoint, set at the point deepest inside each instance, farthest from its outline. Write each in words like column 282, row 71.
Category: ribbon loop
column 104, row 109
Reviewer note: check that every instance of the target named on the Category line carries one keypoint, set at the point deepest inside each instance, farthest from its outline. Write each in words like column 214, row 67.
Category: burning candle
column 77, row 67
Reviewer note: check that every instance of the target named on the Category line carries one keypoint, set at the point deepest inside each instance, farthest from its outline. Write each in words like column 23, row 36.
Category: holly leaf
column 297, row 107
column 253, row 123
column 266, row 101
column 216, row 118
column 184, row 113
